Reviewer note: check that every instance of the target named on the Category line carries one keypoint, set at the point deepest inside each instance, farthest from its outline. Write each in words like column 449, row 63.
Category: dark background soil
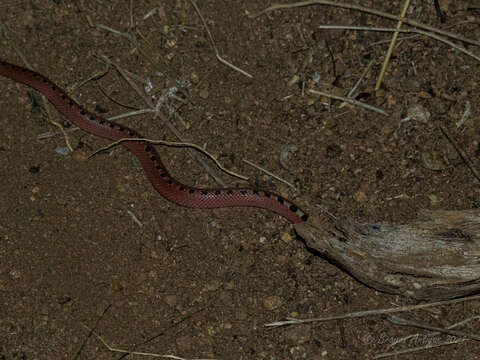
column 202, row 284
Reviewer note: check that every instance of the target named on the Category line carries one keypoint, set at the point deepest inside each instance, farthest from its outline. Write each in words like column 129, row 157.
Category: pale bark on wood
column 435, row 257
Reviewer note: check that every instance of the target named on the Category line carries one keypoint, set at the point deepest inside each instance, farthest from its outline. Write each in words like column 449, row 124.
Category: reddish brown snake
column 156, row 172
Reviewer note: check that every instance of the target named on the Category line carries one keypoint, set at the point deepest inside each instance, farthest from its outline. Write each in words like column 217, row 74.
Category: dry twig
column 461, row 152
column 359, row 314
column 175, row 144
column 210, row 37
column 406, row 322
column 4, row 30
column 169, row 124
column 416, row 31
column 140, row 353
column 426, row 337
column 350, row 101
column 269, row 173
column 392, row 45
column 368, row 11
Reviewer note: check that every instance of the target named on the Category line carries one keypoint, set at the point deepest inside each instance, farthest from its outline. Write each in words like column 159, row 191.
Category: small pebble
column 287, row 237
column 116, row 286
column 171, row 300
column 360, row 196
column 62, row 150
column 272, row 302
column 79, row 155
column 419, row 113
column 203, row 94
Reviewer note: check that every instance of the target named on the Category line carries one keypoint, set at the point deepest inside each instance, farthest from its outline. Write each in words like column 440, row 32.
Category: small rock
column 171, row 300
column 272, row 302
column 360, row 196
column 213, row 285
column 15, row 274
column 79, row 155
column 203, row 93
column 298, row 334
column 116, row 286
column 419, row 113
column 62, row 150
column 194, row 78
column 287, row 237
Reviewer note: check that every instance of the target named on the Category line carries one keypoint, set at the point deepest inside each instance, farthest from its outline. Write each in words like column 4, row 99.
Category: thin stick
column 416, row 31
column 404, row 322
column 194, row 4
column 131, row 113
column 429, row 345
column 392, row 45
column 466, row 114
column 4, row 30
column 110, row 348
column 353, row 90
column 97, row 75
column 127, row 36
column 350, row 101
column 90, row 334
column 172, row 127
column 418, row 348
column 368, row 11
column 269, row 173
column 50, row 134
column 358, row 314
column 435, row 333
column 175, row 144
column 134, row 218
column 462, row 153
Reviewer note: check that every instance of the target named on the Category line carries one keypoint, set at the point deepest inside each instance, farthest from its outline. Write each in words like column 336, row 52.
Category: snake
column 156, row 172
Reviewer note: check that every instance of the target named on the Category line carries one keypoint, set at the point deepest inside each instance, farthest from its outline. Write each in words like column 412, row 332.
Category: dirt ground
column 203, row 283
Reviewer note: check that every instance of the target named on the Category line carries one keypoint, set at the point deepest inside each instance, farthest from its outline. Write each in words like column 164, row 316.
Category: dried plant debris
column 435, row 257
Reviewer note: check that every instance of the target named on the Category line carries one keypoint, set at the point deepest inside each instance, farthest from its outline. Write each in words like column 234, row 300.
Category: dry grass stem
column 463, row 155
column 392, row 45
column 418, row 348
column 128, row 78
column 350, row 101
column 134, row 218
column 174, row 144
column 139, row 353
column 358, row 314
column 405, row 322
column 84, row 342
column 210, row 37
column 353, row 90
column 466, row 114
column 127, row 36
column 269, row 173
column 131, row 113
column 416, row 31
column 50, row 134
column 424, row 337
column 435, row 333
column 97, row 75
column 148, row 101
column 13, row 43
column 368, row 11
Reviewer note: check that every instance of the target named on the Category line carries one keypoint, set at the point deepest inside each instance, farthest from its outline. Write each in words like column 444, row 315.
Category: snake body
column 155, row 171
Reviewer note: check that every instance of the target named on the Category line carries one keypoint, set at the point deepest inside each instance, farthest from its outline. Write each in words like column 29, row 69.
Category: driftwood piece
column 435, row 257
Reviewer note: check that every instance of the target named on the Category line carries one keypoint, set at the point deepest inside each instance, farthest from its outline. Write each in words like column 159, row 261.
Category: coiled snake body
column 156, row 172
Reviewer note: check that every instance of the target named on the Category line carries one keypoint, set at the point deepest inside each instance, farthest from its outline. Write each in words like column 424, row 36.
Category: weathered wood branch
column 435, row 257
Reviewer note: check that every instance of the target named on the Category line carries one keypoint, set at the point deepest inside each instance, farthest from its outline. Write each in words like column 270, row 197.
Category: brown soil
column 202, row 284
